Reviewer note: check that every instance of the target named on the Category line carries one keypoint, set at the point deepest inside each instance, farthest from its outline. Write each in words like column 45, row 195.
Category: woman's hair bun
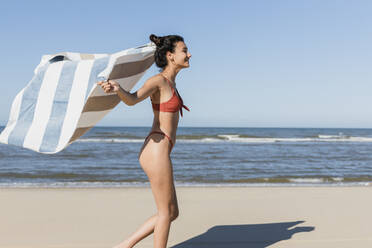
column 164, row 44
column 157, row 40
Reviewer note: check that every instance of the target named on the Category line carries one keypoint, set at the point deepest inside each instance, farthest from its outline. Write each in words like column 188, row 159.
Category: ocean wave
column 300, row 182
column 109, row 140
column 237, row 139
column 319, row 138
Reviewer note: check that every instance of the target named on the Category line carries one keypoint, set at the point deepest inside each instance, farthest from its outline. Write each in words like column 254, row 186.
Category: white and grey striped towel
column 62, row 101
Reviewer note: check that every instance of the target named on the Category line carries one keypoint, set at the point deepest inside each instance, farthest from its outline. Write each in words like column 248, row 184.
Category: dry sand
column 233, row 217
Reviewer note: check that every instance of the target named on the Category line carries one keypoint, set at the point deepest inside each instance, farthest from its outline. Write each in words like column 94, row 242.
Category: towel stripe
column 131, row 68
column 27, row 109
column 88, row 119
column 86, row 56
column 98, row 66
column 100, row 103
column 79, row 132
column 43, row 106
column 13, row 117
column 62, row 94
column 75, row 102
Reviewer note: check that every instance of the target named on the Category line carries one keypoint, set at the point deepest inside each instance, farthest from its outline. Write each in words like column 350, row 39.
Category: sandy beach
column 232, row 217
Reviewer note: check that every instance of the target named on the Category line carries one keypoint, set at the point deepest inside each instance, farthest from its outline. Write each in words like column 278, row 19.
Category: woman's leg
column 155, row 161
column 142, row 232
column 166, row 200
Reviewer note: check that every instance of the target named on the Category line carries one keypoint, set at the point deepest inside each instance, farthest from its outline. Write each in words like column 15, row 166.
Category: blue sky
column 256, row 63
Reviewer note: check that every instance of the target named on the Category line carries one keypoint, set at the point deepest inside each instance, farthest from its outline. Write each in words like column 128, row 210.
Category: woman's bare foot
column 124, row 244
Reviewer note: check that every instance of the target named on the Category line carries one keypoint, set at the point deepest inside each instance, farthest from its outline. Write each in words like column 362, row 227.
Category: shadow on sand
column 244, row 236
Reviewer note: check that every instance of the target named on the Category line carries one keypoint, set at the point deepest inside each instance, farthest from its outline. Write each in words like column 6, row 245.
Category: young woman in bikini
column 171, row 56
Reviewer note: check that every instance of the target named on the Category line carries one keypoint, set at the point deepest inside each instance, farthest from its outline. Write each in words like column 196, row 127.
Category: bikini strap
column 178, row 94
column 170, row 84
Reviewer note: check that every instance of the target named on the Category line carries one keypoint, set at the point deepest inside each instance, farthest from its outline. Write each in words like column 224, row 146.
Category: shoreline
column 147, row 185
column 182, row 187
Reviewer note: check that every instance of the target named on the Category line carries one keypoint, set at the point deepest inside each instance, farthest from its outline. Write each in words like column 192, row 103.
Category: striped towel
column 62, row 101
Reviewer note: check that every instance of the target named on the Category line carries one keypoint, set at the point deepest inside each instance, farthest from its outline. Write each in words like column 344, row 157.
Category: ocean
column 202, row 156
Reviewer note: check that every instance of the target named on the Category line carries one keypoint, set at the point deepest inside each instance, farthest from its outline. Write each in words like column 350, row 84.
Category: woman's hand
column 109, row 86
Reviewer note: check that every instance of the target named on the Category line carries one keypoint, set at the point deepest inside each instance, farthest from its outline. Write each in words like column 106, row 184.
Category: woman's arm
column 148, row 88
column 126, row 96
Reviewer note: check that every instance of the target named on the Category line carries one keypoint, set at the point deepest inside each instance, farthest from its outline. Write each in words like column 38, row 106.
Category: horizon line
column 284, row 127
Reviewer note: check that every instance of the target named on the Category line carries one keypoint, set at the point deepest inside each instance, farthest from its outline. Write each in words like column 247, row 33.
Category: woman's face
column 181, row 56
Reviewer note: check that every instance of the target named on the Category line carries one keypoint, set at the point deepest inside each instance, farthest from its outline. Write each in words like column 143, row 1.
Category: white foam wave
column 329, row 136
column 320, row 138
column 306, row 180
column 110, row 140
column 238, row 139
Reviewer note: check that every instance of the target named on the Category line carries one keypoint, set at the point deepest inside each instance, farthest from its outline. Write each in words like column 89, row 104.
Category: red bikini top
column 172, row 105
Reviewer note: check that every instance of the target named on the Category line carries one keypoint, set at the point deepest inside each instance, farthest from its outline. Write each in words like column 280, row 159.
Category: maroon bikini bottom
column 159, row 132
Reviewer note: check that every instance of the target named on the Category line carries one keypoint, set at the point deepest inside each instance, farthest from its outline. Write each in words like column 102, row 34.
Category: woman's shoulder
column 157, row 79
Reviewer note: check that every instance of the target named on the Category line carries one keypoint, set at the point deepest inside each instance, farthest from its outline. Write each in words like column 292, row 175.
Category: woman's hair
column 163, row 45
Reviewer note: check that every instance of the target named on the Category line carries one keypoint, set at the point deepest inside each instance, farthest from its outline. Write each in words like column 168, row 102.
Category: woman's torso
column 166, row 122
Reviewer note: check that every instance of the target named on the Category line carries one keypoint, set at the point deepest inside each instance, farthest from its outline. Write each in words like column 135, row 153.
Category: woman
column 171, row 56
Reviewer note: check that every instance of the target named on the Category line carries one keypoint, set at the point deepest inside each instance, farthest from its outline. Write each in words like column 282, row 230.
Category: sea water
column 202, row 156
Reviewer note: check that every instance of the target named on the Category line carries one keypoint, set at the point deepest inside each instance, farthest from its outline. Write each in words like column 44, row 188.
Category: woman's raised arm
column 148, row 88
